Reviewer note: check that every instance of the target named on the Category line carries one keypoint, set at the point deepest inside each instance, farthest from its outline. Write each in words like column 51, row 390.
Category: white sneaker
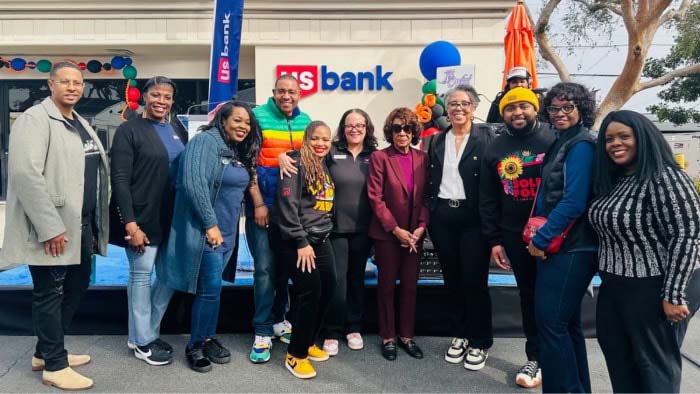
column 330, row 346
column 529, row 376
column 455, row 353
column 130, row 345
column 283, row 331
column 475, row 358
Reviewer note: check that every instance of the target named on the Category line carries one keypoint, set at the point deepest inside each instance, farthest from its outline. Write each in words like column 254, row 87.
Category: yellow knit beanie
column 519, row 94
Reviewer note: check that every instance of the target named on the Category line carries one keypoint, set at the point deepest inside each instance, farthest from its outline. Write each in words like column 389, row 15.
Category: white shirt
column 451, row 186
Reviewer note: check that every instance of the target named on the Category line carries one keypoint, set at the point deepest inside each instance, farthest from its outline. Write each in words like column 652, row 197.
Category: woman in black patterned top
column 647, row 216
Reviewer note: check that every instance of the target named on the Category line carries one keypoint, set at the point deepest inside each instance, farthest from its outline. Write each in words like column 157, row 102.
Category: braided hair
column 314, row 174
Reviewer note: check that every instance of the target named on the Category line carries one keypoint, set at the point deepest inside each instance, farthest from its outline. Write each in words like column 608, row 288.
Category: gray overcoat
column 45, row 188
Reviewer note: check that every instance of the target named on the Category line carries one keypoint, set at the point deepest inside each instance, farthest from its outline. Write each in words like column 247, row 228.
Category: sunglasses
column 406, row 128
column 567, row 109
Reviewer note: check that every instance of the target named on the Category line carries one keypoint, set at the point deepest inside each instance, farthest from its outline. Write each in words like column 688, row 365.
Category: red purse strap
column 534, row 202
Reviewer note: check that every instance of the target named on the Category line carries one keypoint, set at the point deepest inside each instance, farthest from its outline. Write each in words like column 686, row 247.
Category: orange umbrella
column 519, row 43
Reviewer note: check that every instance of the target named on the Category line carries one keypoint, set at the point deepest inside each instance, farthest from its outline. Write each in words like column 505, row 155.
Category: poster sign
column 452, row 76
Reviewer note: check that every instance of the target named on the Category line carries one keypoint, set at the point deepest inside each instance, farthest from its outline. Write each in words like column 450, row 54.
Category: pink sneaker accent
column 355, row 341
column 330, row 346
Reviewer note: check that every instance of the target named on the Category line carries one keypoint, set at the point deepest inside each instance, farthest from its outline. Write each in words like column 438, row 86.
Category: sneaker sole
column 220, row 360
column 331, row 353
column 298, row 375
column 319, row 359
column 453, row 360
column 522, row 383
column 474, row 367
column 201, row 369
column 259, row 360
column 283, row 340
column 151, row 362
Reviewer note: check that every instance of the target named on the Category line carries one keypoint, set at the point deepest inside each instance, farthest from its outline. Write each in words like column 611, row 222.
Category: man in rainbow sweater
column 282, row 125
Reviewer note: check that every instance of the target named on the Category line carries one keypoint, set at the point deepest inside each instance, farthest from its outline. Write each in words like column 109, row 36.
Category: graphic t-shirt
column 92, row 163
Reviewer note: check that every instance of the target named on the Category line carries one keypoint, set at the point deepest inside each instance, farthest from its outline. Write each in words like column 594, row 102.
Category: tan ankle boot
column 66, row 379
column 74, row 360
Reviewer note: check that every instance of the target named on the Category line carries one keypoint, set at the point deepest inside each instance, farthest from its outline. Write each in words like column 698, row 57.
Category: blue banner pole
column 225, row 51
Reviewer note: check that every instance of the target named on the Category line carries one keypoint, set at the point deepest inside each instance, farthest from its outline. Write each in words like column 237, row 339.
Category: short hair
column 60, row 65
column 653, row 153
column 370, row 140
column 159, row 80
column 571, row 91
column 409, row 117
column 468, row 89
column 288, row 77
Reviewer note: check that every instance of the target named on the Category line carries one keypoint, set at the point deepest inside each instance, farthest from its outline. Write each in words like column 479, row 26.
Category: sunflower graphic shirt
column 518, row 184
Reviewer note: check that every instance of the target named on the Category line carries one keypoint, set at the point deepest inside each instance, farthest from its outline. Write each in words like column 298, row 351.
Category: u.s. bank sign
column 312, row 78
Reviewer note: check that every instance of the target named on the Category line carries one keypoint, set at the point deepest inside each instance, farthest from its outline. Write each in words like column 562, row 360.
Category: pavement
column 114, row 368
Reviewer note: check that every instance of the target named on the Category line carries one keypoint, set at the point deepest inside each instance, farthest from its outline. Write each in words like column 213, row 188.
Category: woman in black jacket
column 143, row 166
column 455, row 228
column 646, row 213
column 302, row 214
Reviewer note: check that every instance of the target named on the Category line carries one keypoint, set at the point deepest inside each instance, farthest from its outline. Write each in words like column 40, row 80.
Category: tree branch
column 546, row 49
column 677, row 14
column 668, row 77
column 596, row 6
column 627, row 8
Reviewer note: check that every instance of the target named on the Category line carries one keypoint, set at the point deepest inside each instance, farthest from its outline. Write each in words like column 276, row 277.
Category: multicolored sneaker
column 283, row 331
column 299, row 367
column 317, row 354
column 260, row 353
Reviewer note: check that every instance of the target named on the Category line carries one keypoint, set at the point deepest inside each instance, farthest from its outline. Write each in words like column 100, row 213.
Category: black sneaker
column 196, row 358
column 216, row 352
column 529, row 376
column 164, row 345
column 153, row 354
column 455, row 353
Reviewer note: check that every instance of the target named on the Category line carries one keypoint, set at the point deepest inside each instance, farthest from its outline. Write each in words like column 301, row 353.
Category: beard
column 530, row 123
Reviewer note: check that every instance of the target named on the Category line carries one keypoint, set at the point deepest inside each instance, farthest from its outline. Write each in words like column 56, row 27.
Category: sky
column 594, row 64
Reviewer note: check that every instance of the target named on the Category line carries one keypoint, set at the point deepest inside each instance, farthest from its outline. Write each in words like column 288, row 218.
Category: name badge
column 340, row 157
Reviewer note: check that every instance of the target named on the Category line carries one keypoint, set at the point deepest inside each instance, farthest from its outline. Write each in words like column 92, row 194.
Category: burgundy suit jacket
column 389, row 197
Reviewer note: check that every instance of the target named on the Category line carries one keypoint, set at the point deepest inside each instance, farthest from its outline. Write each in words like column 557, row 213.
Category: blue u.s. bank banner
column 225, row 51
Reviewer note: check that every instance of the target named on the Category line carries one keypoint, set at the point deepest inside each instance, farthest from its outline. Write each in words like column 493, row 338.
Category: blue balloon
column 438, row 54
column 128, row 61
column 18, row 64
column 118, row 62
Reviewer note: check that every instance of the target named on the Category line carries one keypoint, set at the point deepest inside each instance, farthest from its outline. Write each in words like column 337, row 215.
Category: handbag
column 534, row 223
column 317, row 235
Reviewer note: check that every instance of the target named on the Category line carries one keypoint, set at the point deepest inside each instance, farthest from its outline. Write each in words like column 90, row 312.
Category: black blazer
column 469, row 164
column 141, row 192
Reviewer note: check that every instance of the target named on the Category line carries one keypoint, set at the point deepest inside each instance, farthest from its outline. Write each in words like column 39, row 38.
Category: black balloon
column 438, row 111
column 94, row 66
column 442, row 123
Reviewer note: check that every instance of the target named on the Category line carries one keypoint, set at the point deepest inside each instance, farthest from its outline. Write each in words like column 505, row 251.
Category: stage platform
column 104, row 308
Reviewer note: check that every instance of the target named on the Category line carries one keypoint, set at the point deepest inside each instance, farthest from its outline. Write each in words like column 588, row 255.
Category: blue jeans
column 270, row 294
column 205, row 309
column 147, row 302
column 562, row 280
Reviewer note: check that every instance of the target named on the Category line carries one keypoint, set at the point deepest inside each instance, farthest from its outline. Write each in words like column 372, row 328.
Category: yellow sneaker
column 317, row 354
column 299, row 367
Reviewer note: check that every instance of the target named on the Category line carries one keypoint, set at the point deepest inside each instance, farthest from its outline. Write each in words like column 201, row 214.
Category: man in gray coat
column 56, row 217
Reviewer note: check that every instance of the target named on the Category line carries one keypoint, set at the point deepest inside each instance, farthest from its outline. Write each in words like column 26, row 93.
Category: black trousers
column 310, row 294
column 464, row 257
column 640, row 346
column 525, row 271
column 345, row 312
column 55, row 299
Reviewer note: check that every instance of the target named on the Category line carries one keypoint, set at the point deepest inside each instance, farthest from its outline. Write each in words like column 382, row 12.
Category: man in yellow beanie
column 510, row 174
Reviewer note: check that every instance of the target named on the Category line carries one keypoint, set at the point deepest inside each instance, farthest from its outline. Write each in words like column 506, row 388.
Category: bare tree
column 641, row 19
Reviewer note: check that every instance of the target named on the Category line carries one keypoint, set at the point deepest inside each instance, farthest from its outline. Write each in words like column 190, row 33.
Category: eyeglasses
column 457, row 104
column 358, row 126
column 567, row 109
column 67, row 83
column 406, row 128
column 282, row 92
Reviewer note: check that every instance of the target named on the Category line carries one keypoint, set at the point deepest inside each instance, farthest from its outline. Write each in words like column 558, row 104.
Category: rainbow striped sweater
column 280, row 133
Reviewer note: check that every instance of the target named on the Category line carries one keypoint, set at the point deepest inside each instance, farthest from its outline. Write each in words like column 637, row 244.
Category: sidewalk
column 114, row 369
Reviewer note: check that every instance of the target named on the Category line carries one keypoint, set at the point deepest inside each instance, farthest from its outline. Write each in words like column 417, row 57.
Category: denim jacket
column 197, row 188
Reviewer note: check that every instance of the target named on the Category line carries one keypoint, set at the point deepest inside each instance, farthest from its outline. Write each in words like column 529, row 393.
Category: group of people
column 315, row 204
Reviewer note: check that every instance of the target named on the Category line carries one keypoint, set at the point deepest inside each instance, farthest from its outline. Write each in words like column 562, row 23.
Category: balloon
column 438, row 111
column 133, row 83
column 438, row 101
column 438, row 54
column 129, row 72
column 133, row 94
column 31, row 65
column 430, row 87
column 118, row 62
column 18, row 64
column 134, row 105
column 94, row 66
column 43, row 65
column 82, row 66
column 423, row 113
column 107, row 67
column 128, row 61
column 442, row 123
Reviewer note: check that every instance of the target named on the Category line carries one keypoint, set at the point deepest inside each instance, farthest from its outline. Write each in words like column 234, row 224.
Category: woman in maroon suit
column 395, row 186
